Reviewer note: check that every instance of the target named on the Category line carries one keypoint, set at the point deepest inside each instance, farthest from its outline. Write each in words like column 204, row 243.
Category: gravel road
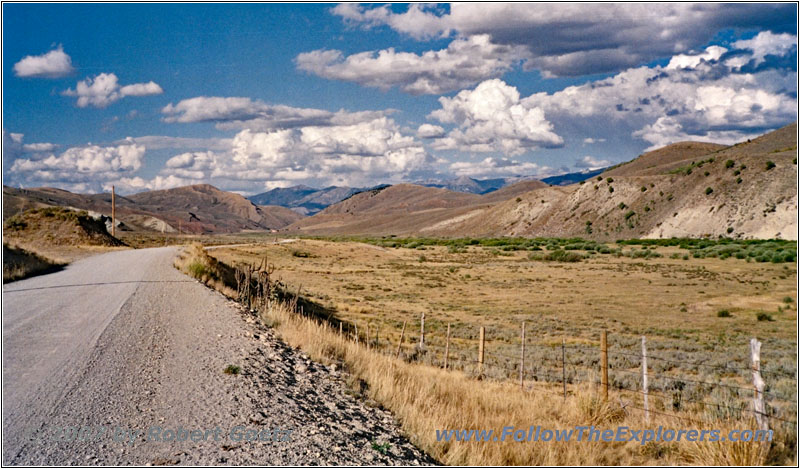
column 120, row 359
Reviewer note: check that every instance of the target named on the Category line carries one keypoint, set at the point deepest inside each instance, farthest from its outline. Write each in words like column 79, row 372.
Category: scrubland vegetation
column 658, row 289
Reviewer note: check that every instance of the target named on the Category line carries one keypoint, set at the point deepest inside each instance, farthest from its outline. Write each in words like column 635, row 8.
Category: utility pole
column 113, row 213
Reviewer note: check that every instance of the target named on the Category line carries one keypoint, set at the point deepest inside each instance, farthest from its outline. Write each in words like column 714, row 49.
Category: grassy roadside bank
column 426, row 399
column 19, row 264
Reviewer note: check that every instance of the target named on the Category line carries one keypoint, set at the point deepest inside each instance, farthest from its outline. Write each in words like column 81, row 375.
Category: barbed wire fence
column 652, row 384
column 570, row 366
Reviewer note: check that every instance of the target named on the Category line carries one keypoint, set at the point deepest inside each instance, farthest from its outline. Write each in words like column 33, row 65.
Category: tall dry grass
column 196, row 262
column 425, row 399
column 19, row 264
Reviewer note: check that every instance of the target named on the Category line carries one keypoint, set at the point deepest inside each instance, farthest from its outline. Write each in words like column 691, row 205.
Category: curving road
column 123, row 342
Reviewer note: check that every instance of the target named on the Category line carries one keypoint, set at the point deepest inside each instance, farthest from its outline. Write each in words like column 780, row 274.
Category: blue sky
column 255, row 96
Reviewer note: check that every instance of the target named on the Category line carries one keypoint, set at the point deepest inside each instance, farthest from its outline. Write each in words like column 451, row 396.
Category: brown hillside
column 17, row 200
column 664, row 159
column 192, row 209
column 277, row 217
column 203, row 208
column 401, row 198
column 513, row 190
column 399, row 209
column 56, row 226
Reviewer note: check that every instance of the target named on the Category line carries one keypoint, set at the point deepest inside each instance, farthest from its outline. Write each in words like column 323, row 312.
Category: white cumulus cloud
column 465, row 62
column 430, row 131
column 496, row 167
column 105, row 89
column 690, row 99
column 237, row 113
column 89, row 165
column 352, row 154
column 53, row 64
column 492, row 118
column 591, row 163
column 766, row 43
column 692, row 61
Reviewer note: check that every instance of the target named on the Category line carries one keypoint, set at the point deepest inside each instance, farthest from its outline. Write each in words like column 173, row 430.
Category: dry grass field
column 698, row 355
column 698, row 314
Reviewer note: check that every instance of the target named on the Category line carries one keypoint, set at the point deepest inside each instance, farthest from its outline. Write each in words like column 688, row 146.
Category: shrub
column 558, row 255
column 729, row 164
column 644, row 189
column 738, row 180
column 770, row 165
column 709, row 190
column 610, row 180
column 519, row 199
column 610, row 189
column 303, row 254
column 629, row 214
column 730, row 229
column 382, row 448
column 622, row 206
column 232, row 370
column 706, row 174
column 764, row 317
column 788, row 300
column 197, row 270
column 723, row 313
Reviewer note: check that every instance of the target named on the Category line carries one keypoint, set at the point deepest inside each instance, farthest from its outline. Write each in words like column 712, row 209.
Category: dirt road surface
column 119, row 358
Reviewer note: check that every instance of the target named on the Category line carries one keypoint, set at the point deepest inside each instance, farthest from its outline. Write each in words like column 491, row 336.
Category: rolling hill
column 190, row 209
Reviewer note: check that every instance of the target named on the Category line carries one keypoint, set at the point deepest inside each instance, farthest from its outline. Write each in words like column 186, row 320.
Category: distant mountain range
column 469, row 185
column 308, row 201
column 303, row 199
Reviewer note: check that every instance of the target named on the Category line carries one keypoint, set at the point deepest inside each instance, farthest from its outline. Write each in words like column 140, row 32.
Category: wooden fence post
column 564, row 366
column 447, row 347
column 644, row 381
column 113, row 212
column 340, row 328
column 400, row 344
column 481, row 349
column 522, row 359
column 422, row 331
column 356, row 326
column 604, row 364
column 759, row 407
